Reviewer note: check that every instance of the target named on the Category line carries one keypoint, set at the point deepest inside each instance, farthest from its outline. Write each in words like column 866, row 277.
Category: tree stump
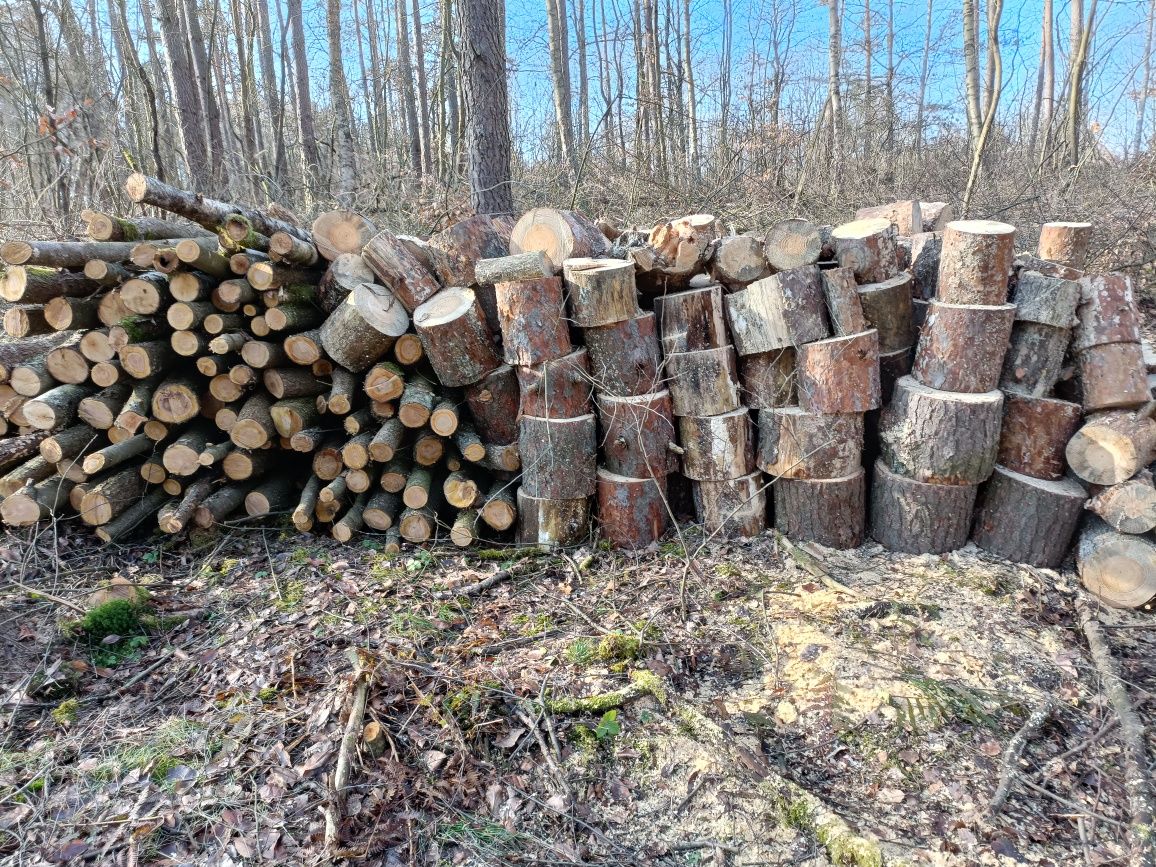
column 552, row 523
column 918, row 517
column 840, row 375
column 887, row 309
column 1129, row 507
column 844, row 306
column 1066, row 243
column 868, row 248
column 1035, row 359
column 793, row 243
column 493, row 403
column 532, row 317
column 730, row 508
column 832, row 512
column 561, row 235
column 637, row 433
column 559, row 456
column 1034, row 434
column 768, row 379
column 625, row 357
column 925, row 251
column 795, row 444
column 941, row 437
column 399, row 271
column 632, row 513
column 1047, row 300
column 785, row 309
column 704, row 382
column 691, row 320
column 557, row 389
column 717, row 446
column 975, row 262
column 962, row 346
column 600, row 291
column 456, row 338
column 1107, row 312
column 1119, row 569
column 1112, row 376
column 1112, row 447
column 1028, row 520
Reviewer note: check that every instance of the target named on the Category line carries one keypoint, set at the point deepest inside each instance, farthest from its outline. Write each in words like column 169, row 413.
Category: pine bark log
column 598, row 291
column 703, row 382
column 975, row 262
column 637, row 434
column 831, row 512
column 1035, row 358
column 549, row 523
column 1112, row 447
column 1107, row 312
column 917, row 517
column 691, row 320
column 561, row 456
column 868, row 248
column 532, row 314
column 1066, row 243
column 962, row 346
column 717, row 447
column 839, row 375
column 1112, row 376
column 1118, row 568
column 730, row 508
column 632, row 512
column 795, row 444
column 625, row 357
column 557, row 389
column 783, row 310
column 1028, row 520
column 887, row 308
column 1034, row 434
column 456, row 337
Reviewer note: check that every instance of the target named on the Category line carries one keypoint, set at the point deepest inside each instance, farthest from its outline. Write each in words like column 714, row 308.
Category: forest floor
column 769, row 688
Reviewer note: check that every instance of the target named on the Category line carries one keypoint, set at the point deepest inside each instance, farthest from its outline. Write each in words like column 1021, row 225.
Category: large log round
column 1028, row 520
column 691, row 320
column 552, row 523
column 962, row 346
column 793, row 243
column 917, row 517
column 868, row 248
column 493, row 402
column 532, row 314
column 1035, row 358
column 768, row 379
column 739, row 260
column 942, row 437
column 1034, row 434
column 1118, row 568
column 704, row 382
column 457, row 340
column 1112, row 447
column 839, row 375
column 887, row 309
column 717, row 446
column 637, row 433
column 559, row 456
column 785, row 309
column 844, row 306
column 557, row 389
column 625, row 357
column 398, row 270
column 1107, row 312
column 561, row 235
column 730, row 508
column 1066, row 243
column 1129, row 507
column 796, row 444
column 1048, row 300
column 1113, row 376
column 832, row 512
column 599, row 291
column 632, row 513
column 975, row 262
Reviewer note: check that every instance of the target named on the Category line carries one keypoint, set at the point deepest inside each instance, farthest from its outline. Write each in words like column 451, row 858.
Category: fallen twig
column 641, row 683
column 335, row 803
column 1140, row 806
column 477, row 587
column 811, row 565
column 1015, row 749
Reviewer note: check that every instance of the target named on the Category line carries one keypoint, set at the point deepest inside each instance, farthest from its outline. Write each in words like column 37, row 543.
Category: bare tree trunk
column 988, row 70
column 422, row 92
column 725, row 77
column 183, row 85
column 342, row 109
column 602, row 47
column 924, row 68
column 128, row 50
column 890, row 83
column 868, row 104
column 971, row 71
column 1048, row 92
column 691, row 96
column 834, row 59
column 558, row 26
column 406, row 86
column 1145, row 84
column 447, row 73
column 487, row 105
column 1079, row 62
column 380, row 113
column 305, row 125
column 204, row 73
column 583, row 74
column 994, row 13
column 251, row 118
column 364, row 74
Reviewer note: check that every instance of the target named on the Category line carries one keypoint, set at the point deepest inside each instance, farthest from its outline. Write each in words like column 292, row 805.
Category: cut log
column 254, row 427
column 303, row 513
column 839, row 375
column 739, row 260
column 905, row 216
column 284, row 247
column 795, row 444
column 557, row 389
column 459, row 247
column 337, row 232
column 394, row 474
column 31, row 378
column 504, row 269
column 55, row 408
column 561, row 235
column 1035, row 359
column 1066, row 243
column 975, row 262
column 220, row 504
column 146, row 294
column 417, row 525
column 532, row 318
column 564, row 456
column 355, row 452
column 35, row 469
column 962, row 346
column 116, row 454
column 224, row 389
column 67, row 444
column 16, row 449
column 1034, row 434
column 111, row 309
column 625, row 357
column 493, row 403
column 1112, row 447
column 831, row 512
column 461, row 490
column 464, row 529
column 132, row 517
column 176, row 400
column 205, row 255
column 189, row 344
column 136, row 409
column 63, row 313
column 717, row 447
column 457, row 340
column 386, row 441
column 550, row 523
column 502, row 458
column 637, row 434
column 1119, row 569
column 110, row 497
column 704, row 382
column 418, row 485
column 26, row 321
column 887, row 308
column 632, row 513
column 793, row 243
column 95, row 346
column 177, row 515
column 66, row 364
column 731, row 507
column 1028, row 520
column 1028, row 262
column 38, row 502
column 785, row 309
column 62, row 254
column 416, row 403
column 676, row 251
column 499, row 509
column 35, row 285
column 381, row 510
column 844, row 307
column 290, row 382
column 271, row 496
column 935, row 215
column 768, row 379
column 385, row 381
column 293, row 415
column 1047, row 300
column 917, row 517
column 304, row 348
column 1112, row 376
column 226, row 343
column 692, row 320
column 1129, row 507
column 408, row 349
column 1107, row 312
column 377, row 306
column 398, row 270
column 868, row 248
column 598, row 291
column 469, row 444
column 925, row 251
column 344, row 274
column 350, row 340
column 940, row 437
column 143, row 360
column 443, row 420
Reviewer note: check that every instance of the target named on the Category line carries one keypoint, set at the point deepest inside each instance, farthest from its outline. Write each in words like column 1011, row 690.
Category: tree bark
column 839, row 375
column 975, row 262
column 557, row 389
column 717, row 447
column 549, row 523
column 1113, row 376
column 632, row 512
column 832, row 512
column 1028, row 520
column 691, row 321
column 785, row 309
column 560, row 456
column 625, row 357
column 488, row 146
column 1034, row 434
column 795, row 444
column 962, row 346
column 917, row 517
column 637, row 433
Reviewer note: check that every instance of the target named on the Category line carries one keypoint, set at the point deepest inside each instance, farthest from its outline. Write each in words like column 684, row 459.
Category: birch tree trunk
column 971, row 71
column 1145, row 84
column 183, row 86
column 924, row 68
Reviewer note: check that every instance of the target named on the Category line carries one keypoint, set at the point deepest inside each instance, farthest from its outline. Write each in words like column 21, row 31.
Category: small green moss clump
column 617, row 647
column 66, row 712
column 115, row 617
